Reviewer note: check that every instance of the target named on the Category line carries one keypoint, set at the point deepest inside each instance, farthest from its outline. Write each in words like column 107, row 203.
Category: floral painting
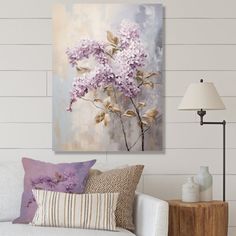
column 107, row 77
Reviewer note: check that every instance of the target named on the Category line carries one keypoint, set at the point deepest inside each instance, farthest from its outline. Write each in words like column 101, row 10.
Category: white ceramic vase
column 190, row 191
column 204, row 179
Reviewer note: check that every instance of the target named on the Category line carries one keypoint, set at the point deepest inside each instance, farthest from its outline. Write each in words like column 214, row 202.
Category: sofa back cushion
column 11, row 188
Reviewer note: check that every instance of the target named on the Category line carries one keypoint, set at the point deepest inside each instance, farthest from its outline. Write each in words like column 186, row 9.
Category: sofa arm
column 151, row 216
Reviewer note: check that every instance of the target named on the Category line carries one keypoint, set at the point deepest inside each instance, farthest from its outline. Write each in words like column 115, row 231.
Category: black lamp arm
column 202, row 113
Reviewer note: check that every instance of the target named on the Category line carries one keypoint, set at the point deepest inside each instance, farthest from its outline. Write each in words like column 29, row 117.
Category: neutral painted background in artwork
column 200, row 43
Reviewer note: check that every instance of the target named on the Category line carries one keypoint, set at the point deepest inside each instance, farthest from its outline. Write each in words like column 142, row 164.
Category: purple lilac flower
column 48, row 182
column 128, row 32
column 119, row 70
column 69, row 187
column 85, row 49
column 69, row 175
column 68, row 179
column 43, row 181
column 102, row 75
column 126, row 64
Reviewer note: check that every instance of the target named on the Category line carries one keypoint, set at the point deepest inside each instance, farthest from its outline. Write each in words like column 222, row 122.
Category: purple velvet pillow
column 63, row 177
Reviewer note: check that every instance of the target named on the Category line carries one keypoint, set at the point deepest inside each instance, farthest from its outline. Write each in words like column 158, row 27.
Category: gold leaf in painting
column 147, row 119
column 129, row 113
column 141, row 104
column 110, row 107
column 97, row 100
column 140, row 73
column 105, row 88
column 111, row 38
column 148, row 75
column 152, row 113
column 114, row 50
column 107, row 102
column 116, row 109
column 139, row 79
column 106, row 119
column 99, row 117
column 144, row 122
column 82, row 70
column 116, row 40
column 149, row 84
column 109, row 90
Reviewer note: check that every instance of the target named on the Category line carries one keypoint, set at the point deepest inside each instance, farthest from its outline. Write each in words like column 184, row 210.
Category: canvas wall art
column 107, row 77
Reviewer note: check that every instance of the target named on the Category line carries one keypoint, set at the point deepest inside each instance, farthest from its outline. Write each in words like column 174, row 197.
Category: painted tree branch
column 122, row 125
column 139, row 138
column 124, row 133
column 89, row 100
column 140, row 121
column 120, row 118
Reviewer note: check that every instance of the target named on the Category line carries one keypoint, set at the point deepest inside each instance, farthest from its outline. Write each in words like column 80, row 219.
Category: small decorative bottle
column 204, row 179
column 190, row 191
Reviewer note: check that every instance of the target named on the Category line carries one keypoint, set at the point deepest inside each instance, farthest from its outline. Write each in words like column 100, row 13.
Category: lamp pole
column 202, row 113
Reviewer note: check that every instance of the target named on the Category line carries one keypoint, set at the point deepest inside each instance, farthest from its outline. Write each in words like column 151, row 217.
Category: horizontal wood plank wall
column 200, row 42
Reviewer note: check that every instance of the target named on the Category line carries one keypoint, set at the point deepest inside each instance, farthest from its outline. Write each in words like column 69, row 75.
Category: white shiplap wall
column 200, row 42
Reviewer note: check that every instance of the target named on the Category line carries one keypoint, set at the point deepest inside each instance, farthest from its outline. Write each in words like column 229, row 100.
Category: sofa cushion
column 87, row 211
column 11, row 182
column 9, row 229
column 123, row 181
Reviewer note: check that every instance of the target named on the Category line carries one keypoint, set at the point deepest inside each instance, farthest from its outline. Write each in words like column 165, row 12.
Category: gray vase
column 204, row 179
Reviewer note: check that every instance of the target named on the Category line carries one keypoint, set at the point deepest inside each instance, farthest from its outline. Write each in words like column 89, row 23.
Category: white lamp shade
column 201, row 96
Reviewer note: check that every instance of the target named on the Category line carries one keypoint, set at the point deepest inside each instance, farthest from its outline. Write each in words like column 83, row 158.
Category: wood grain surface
column 198, row 219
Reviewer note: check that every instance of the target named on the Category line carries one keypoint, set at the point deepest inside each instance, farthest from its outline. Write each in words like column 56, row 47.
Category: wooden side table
column 198, row 219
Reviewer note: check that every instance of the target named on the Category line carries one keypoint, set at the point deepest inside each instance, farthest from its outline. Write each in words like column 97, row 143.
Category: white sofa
column 151, row 214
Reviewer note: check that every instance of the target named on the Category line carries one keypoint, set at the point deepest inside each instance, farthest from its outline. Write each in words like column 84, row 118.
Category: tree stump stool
column 198, row 219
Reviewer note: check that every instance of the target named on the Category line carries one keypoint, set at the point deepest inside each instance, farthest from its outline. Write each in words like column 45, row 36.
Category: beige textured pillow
column 123, row 181
column 89, row 211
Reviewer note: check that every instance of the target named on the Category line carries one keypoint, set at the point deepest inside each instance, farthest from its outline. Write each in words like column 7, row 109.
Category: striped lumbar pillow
column 90, row 211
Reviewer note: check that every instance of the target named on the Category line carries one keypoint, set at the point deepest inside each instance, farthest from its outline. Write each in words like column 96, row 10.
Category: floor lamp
column 201, row 97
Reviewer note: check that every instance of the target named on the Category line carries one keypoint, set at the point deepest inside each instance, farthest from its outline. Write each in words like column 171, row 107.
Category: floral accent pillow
column 63, row 177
